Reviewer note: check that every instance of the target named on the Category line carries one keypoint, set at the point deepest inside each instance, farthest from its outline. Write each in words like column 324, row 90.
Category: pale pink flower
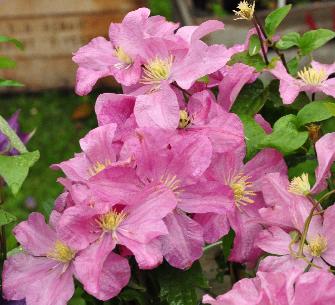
column 311, row 79
column 43, row 272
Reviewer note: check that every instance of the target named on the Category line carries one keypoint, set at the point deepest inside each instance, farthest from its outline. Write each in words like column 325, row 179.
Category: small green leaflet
column 14, row 41
column 6, row 218
column 14, row 169
column 274, row 19
column 10, row 83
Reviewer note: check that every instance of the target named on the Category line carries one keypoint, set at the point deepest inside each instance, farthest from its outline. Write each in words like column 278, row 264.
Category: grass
column 56, row 137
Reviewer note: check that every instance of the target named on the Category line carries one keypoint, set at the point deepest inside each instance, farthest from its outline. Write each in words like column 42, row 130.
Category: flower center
column 98, row 167
column 242, row 189
column 157, row 70
column 123, row 57
column 318, row 245
column 245, row 10
column 184, row 119
column 171, row 182
column 111, row 220
column 300, row 185
column 312, row 76
column 61, row 253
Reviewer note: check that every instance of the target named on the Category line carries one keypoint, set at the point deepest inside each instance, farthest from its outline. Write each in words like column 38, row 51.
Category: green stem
column 218, row 243
column 306, row 227
column 325, row 196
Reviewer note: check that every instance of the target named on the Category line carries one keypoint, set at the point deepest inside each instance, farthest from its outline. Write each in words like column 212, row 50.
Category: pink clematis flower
column 178, row 162
column 319, row 251
column 48, row 262
column 280, row 288
column 312, row 79
column 245, row 181
column 99, row 152
column 119, row 57
column 135, row 224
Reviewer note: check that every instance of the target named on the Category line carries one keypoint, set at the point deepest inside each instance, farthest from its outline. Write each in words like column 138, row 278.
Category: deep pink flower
column 313, row 79
column 245, row 181
column 43, row 272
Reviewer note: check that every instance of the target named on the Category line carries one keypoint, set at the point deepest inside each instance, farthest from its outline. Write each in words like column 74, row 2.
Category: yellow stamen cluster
column 123, row 57
column 245, row 10
column 312, row 76
column 157, row 71
column 318, row 245
column 98, row 167
column 111, row 220
column 171, row 182
column 184, row 119
column 242, row 189
column 300, row 185
column 61, row 253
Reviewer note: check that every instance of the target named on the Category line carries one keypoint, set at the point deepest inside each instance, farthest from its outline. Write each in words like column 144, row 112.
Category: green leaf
column 251, row 99
column 254, row 45
column 293, row 65
column 178, row 287
column 131, row 295
column 274, row 19
column 204, row 79
column 288, row 40
column 13, row 138
column 10, row 83
column 227, row 243
column 14, row 41
column 254, row 135
column 255, row 61
column 14, row 169
column 315, row 112
column 6, row 218
column 285, row 136
column 7, row 63
column 315, row 39
column 15, row 251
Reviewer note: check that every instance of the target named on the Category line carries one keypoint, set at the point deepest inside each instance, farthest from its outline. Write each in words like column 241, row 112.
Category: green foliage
column 14, row 169
column 10, row 83
column 6, row 218
column 14, row 41
column 254, row 135
column 288, row 40
column 178, row 287
column 255, row 61
column 13, row 138
column 254, row 45
column 286, row 136
column 274, row 19
column 7, row 63
column 315, row 112
column 315, row 39
column 251, row 99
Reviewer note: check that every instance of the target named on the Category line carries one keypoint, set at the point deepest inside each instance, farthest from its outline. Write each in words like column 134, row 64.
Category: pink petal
column 325, row 150
column 283, row 263
column 206, row 197
column 95, row 61
column 328, row 69
column 194, row 33
column 200, row 61
column 35, row 236
column 266, row 161
column 183, row 245
column 234, row 79
column 98, row 144
column 263, row 123
column 214, row 226
column 158, row 110
column 274, row 240
column 102, row 272
column 114, row 108
column 328, row 87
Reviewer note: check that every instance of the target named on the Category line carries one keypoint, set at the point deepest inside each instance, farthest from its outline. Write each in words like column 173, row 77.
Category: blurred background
column 53, row 30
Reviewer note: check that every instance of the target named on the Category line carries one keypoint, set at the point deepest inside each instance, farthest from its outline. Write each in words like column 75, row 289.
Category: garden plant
column 208, row 147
